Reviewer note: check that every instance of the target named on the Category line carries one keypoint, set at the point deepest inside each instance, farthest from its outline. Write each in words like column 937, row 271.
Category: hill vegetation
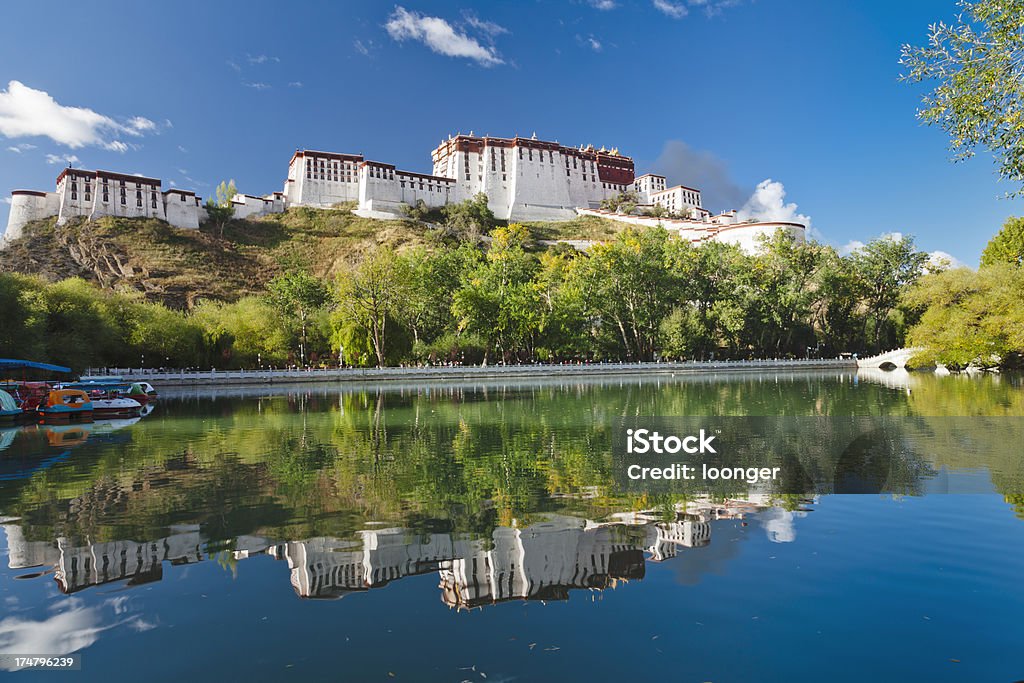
column 179, row 268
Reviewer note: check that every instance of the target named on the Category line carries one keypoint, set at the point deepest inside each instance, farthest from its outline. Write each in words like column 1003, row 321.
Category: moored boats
column 95, row 397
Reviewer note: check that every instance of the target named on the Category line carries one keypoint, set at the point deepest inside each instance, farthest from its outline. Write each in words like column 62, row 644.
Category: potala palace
column 525, row 179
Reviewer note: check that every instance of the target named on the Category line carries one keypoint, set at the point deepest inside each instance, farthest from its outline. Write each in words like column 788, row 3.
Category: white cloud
column 488, row 27
column 768, row 203
column 62, row 159
column 603, row 5
column 182, row 149
column 676, row 10
column 27, row 112
column 714, row 7
column 440, row 36
column 261, row 59
column 851, row 247
column 778, row 524
column 22, row 147
column 594, row 43
column 364, row 48
column 258, row 85
column 62, row 633
column 942, row 260
column 295, row 84
column 139, row 125
column 6, row 200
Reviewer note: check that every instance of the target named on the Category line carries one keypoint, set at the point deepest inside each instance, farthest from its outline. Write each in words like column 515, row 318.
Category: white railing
column 455, row 371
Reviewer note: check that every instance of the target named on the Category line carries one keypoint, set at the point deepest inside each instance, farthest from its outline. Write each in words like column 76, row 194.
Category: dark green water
column 483, row 533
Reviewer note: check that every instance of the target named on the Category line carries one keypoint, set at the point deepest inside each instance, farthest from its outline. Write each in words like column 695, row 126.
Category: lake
column 485, row 532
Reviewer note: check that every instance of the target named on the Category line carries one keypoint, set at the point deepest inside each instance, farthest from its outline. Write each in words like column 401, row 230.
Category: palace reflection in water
column 543, row 560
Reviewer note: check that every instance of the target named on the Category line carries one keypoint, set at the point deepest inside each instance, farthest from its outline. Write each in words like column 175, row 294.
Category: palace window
column 182, row 197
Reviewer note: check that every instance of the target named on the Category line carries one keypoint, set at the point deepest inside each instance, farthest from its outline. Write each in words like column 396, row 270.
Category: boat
column 112, row 399
column 147, row 390
column 115, row 406
column 143, row 392
column 10, row 411
column 66, row 405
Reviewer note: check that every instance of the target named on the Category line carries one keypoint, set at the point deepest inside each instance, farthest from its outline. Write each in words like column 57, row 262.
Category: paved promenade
column 441, row 373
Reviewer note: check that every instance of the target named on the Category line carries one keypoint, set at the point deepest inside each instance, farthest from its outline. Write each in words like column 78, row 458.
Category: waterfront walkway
column 221, row 377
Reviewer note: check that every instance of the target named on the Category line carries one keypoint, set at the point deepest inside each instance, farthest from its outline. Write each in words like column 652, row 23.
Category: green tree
column 629, row 290
column 499, row 302
column 23, row 312
column 977, row 65
column 839, row 311
column 1007, row 246
column 244, row 333
column 710, row 288
column 298, row 296
column 372, row 294
column 781, row 290
column 623, row 202
column 220, row 209
column 886, row 267
column 434, row 277
column 469, row 218
column 566, row 331
column 970, row 317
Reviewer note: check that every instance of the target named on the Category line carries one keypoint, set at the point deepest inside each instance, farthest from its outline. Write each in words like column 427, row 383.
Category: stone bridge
column 890, row 360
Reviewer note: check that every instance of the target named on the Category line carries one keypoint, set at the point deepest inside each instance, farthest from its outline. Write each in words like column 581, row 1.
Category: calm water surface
column 470, row 532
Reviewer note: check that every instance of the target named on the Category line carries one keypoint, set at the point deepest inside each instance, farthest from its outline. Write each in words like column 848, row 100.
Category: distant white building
column 524, row 179
column 95, row 194
column 704, row 227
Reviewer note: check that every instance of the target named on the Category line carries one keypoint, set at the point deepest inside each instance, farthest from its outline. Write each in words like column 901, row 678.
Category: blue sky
column 722, row 94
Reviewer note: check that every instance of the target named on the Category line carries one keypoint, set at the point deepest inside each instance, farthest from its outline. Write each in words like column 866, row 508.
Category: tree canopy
column 975, row 67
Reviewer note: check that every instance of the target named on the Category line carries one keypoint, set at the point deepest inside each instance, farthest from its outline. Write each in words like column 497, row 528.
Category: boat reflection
column 29, row 449
column 542, row 560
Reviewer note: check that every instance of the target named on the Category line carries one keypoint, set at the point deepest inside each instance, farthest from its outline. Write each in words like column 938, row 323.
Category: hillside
column 179, row 267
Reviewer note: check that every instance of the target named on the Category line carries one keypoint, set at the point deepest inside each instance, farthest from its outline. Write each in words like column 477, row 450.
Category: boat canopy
column 7, row 401
column 15, row 364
